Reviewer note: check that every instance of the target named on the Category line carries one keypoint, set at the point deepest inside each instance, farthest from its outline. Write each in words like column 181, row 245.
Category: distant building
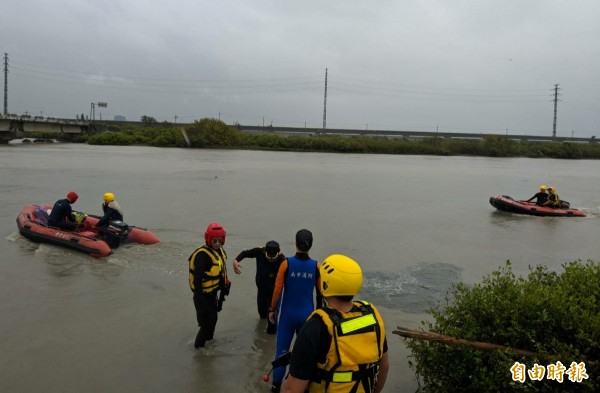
column 120, row 118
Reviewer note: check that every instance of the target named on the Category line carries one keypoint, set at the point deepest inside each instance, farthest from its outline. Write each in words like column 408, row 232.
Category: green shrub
column 212, row 133
column 499, row 146
column 111, row 138
column 557, row 316
column 172, row 138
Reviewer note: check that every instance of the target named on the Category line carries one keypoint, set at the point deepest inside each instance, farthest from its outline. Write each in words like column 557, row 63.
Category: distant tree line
column 212, row 133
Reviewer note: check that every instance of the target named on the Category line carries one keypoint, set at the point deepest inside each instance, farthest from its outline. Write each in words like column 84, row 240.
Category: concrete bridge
column 412, row 135
column 14, row 126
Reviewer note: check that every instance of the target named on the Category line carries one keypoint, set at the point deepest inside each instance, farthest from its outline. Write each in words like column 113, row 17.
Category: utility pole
column 555, row 110
column 5, row 83
column 325, row 104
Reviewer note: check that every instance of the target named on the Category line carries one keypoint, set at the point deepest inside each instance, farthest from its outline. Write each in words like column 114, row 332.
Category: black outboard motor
column 115, row 234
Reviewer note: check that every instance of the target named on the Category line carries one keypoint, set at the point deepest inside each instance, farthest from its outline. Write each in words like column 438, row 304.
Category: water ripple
column 411, row 290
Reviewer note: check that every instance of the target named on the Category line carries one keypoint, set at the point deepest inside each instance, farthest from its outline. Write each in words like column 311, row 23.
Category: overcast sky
column 456, row 66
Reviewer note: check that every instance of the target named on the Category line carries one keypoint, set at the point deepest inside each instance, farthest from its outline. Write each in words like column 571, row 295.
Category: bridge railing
column 42, row 119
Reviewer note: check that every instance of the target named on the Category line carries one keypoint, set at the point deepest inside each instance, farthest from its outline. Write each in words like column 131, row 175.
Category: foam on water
column 411, row 290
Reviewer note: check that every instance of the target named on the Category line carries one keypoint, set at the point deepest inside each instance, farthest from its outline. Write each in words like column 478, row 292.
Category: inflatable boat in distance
column 506, row 203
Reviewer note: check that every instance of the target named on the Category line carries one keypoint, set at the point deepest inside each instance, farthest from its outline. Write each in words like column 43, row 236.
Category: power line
column 309, row 83
column 582, row 104
column 476, row 99
column 77, row 76
column 68, row 72
column 185, row 89
column 273, row 85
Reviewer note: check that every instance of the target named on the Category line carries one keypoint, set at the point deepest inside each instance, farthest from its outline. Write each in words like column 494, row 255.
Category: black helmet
column 304, row 240
column 272, row 248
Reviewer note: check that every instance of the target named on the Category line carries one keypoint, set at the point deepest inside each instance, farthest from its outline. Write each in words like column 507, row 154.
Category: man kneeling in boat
column 541, row 197
column 62, row 214
column 553, row 198
column 112, row 211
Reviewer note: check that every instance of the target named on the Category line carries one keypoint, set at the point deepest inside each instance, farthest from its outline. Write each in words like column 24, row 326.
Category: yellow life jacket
column 354, row 356
column 216, row 275
column 554, row 200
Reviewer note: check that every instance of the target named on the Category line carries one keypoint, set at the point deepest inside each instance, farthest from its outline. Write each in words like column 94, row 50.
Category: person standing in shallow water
column 341, row 347
column 268, row 260
column 208, row 276
column 298, row 279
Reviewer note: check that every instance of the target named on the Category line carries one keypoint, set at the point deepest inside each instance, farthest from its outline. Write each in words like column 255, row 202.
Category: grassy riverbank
column 212, row 133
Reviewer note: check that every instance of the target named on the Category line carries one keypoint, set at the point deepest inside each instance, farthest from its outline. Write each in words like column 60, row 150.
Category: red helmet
column 213, row 230
column 72, row 196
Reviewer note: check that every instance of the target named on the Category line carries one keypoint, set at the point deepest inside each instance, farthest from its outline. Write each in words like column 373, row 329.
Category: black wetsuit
column 542, row 197
column 110, row 214
column 266, row 273
column 206, row 303
column 554, row 201
column 62, row 215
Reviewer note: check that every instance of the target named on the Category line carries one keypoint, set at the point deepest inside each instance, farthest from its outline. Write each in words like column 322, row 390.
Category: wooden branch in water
column 482, row 346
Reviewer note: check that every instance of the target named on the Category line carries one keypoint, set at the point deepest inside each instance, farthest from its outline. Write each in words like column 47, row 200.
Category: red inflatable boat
column 33, row 224
column 506, row 203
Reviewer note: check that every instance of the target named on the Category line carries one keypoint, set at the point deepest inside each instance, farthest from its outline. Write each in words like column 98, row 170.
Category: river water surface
column 126, row 323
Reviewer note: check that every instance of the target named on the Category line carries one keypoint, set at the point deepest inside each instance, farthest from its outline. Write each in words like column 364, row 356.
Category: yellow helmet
column 543, row 187
column 552, row 189
column 340, row 276
column 109, row 197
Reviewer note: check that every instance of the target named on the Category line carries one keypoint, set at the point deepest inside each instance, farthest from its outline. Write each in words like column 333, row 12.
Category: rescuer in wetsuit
column 342, row 347
column 541, row 197
column 553, row 198
column 268, row 260
column 111, row 209
column 62, row 214
column 298, row 279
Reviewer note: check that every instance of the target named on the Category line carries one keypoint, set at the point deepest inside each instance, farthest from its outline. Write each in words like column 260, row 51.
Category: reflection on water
column 411, row 290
